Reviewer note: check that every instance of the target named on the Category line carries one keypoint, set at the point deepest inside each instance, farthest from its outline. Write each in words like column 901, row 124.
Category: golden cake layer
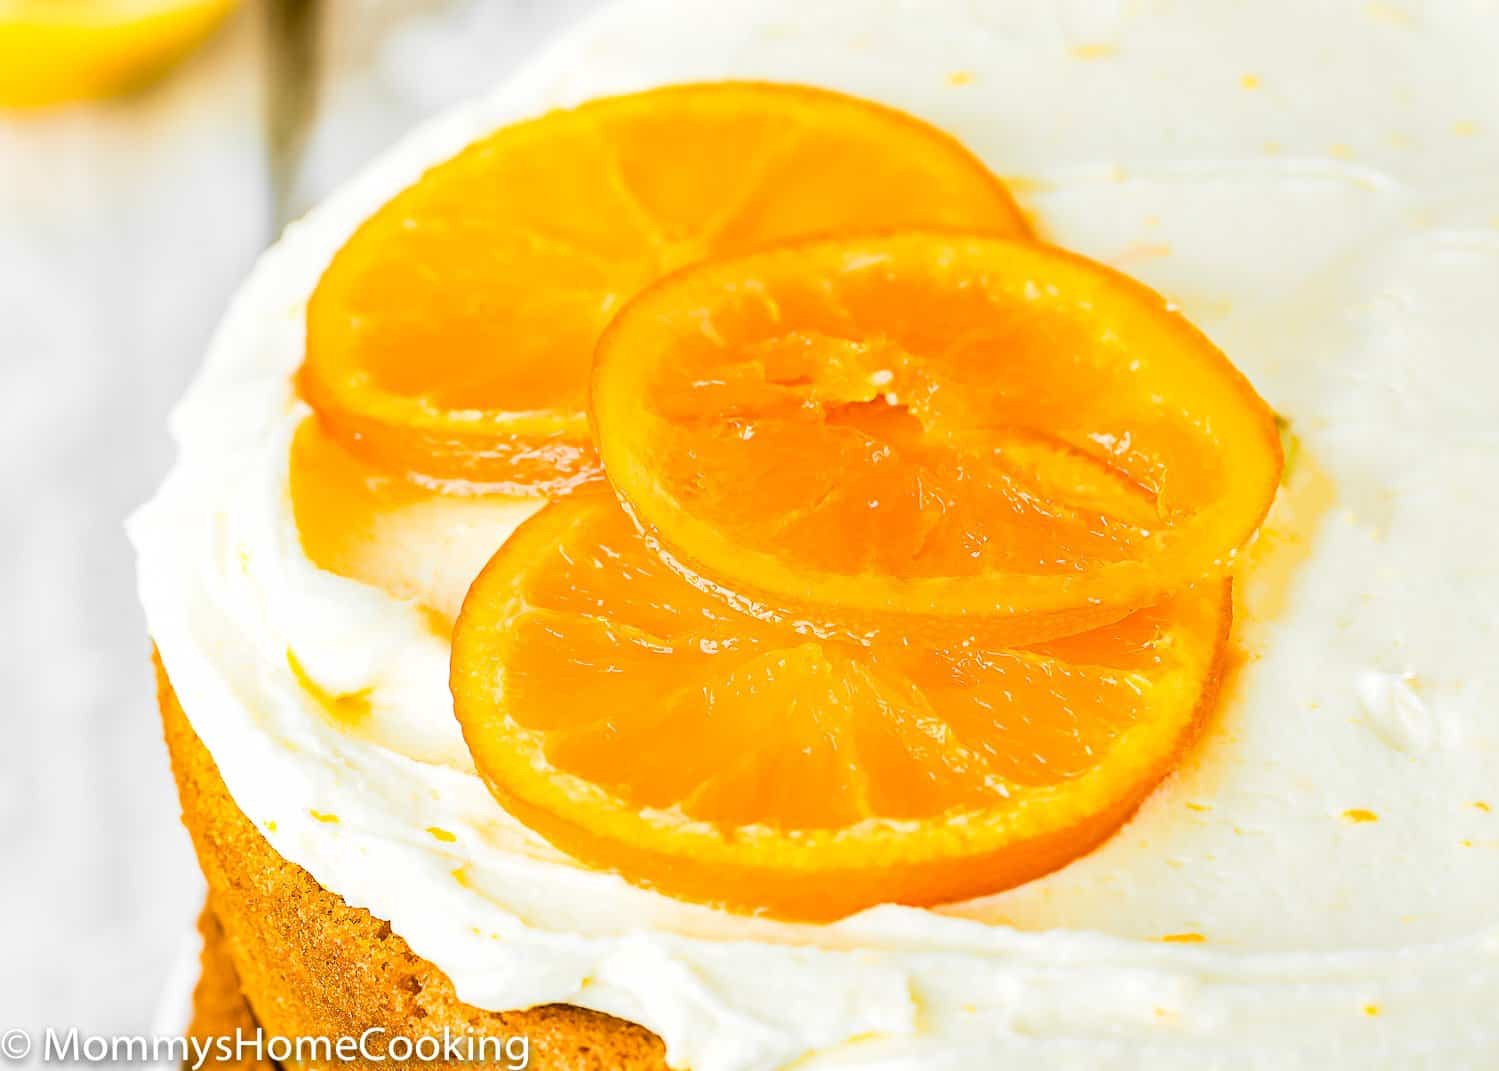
column 310, row 965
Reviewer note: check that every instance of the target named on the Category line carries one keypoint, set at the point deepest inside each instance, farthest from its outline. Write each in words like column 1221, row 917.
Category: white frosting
column 1314, row 184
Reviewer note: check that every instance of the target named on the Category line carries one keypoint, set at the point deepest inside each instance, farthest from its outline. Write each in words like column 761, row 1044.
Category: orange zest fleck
column 343, row 708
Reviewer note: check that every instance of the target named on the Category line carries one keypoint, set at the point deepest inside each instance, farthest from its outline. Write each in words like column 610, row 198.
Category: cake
column 1312, row 883
column 218, row 1006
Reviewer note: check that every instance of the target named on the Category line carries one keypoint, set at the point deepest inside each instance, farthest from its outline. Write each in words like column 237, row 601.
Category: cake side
column 219, row 1008
column 310, row 965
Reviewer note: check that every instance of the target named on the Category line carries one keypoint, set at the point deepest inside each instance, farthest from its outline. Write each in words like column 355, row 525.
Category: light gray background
column 124, row 228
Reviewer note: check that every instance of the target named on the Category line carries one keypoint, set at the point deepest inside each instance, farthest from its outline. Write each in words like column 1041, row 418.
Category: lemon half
column 58, row 51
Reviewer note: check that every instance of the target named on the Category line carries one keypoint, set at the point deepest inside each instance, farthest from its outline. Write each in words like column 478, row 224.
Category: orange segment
column 645, row 727
column 931, row 424
column 451, row 337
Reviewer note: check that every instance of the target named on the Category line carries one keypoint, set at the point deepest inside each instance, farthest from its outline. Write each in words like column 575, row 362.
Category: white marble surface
column 124, row 228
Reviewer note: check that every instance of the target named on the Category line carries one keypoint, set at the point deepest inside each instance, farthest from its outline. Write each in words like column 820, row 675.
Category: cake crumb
column 1371, row 1009
column 1249, row 81
column 443, row 835
column 1184, row 938
column 321, row 816
column 1359, row 815
column 959, row 78
column 1482, row 806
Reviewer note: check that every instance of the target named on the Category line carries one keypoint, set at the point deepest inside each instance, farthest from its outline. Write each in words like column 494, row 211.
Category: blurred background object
column 125, row 226
column 57, row 51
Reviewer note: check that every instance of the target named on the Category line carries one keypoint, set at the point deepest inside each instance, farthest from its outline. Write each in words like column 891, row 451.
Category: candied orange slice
column 451, row 337
column 646, row 727
column 930, row 424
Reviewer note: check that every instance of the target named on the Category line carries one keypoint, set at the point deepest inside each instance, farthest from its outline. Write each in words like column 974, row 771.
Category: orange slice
column 931, row 424
column 451, row 337
column 645, row 727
